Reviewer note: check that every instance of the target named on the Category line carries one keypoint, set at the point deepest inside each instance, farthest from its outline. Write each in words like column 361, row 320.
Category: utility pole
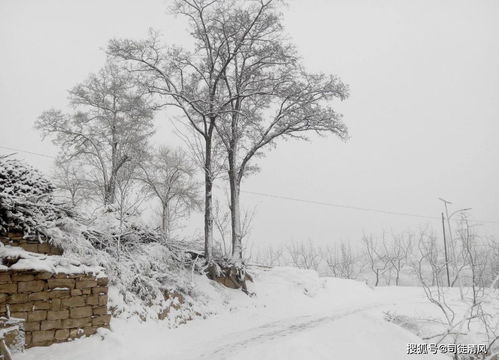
column 453, row 249
column 445, row 251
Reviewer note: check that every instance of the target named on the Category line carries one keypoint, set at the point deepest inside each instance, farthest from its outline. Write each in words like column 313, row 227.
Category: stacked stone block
column 55, row 307
column 29, row 244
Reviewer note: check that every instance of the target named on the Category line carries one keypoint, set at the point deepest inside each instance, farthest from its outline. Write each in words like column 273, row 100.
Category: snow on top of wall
column 50, row 263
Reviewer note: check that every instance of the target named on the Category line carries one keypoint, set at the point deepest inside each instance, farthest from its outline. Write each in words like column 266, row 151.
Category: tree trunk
column 111, row 190
column 235, row 217
column 110, row 195
column 208, row 202
column 165, row 221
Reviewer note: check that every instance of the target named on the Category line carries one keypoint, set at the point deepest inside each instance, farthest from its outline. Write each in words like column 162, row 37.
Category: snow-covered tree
column 26, row 202
column 271, row 95
column 244, row 80
column 110, row 128
column 70, row 182
column 168, row 176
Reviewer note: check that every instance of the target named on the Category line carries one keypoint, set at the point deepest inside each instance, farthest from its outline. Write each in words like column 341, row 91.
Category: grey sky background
column 423, row 112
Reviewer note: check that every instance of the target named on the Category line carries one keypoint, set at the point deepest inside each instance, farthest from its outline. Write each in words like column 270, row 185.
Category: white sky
column 423, row 112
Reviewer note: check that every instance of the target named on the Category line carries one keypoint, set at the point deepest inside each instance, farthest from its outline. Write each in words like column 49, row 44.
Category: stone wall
column 55, row 307
column 29, row 244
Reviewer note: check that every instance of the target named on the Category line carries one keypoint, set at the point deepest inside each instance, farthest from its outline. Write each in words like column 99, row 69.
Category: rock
column 56, row 315
column 42, row 337
column 8, row 288
column 31, row 286
column 37, row 315
column 73, row 301
column 84, row 284
column 80, row 312
column 61, row 283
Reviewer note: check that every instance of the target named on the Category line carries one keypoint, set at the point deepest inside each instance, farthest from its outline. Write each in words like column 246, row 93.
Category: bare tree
column 305, row 255
column 109, row 129
column 397, row 251
column 476, row 257
column 190, row 82
column 270, row 95
column 128, row 201
column 222, row 224
column 432, row 259
column 69, row 179
column 428, row 259
column 270, row 256
column 244, row 81
column 458, row 317
column 342, row 262
column 493, row 268
column 378, row 260
column 168, row 176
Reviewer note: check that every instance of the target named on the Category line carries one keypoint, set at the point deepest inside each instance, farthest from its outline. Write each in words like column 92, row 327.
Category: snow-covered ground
column 294, row 315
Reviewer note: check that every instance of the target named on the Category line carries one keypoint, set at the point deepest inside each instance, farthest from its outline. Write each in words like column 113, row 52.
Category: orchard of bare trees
column 402, row 259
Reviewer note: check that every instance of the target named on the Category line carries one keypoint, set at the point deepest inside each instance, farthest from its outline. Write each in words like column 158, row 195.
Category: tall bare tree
column 169, row 177
column 110, row 127
column 271, row 96
column 193, row 81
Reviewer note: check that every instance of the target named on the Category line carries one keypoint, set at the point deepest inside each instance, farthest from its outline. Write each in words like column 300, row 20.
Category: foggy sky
column 423, row 111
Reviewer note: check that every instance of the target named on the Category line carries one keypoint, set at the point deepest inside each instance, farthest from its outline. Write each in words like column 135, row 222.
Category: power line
column 380, row 211
column 339, row 205
column 27, row 152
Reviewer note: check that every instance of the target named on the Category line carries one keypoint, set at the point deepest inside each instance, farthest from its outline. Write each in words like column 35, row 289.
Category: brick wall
column 29, row 244
column 55, row 307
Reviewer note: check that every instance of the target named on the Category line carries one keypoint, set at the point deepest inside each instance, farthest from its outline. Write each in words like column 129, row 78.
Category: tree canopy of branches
column 109, row 128
column 168, row 176
column 243, row 81
column 271, row 96
column 69, row 180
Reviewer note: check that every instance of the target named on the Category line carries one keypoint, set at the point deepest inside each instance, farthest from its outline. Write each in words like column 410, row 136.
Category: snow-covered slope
column 293, row 315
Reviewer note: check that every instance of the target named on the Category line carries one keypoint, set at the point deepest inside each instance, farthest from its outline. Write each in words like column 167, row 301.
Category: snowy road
column 305, row 318
column 273, row 332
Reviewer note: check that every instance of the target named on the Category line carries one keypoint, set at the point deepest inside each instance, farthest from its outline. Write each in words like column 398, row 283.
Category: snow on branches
column 26, row 202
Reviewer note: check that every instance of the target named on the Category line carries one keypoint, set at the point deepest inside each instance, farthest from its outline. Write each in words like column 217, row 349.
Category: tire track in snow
column 275, row 330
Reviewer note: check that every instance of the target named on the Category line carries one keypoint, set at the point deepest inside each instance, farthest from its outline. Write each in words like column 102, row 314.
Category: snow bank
column 22, row 260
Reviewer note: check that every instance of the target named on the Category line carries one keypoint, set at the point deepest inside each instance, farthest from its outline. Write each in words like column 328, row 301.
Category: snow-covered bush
column 148, row 277
column 26, row 202
column 143, row 269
